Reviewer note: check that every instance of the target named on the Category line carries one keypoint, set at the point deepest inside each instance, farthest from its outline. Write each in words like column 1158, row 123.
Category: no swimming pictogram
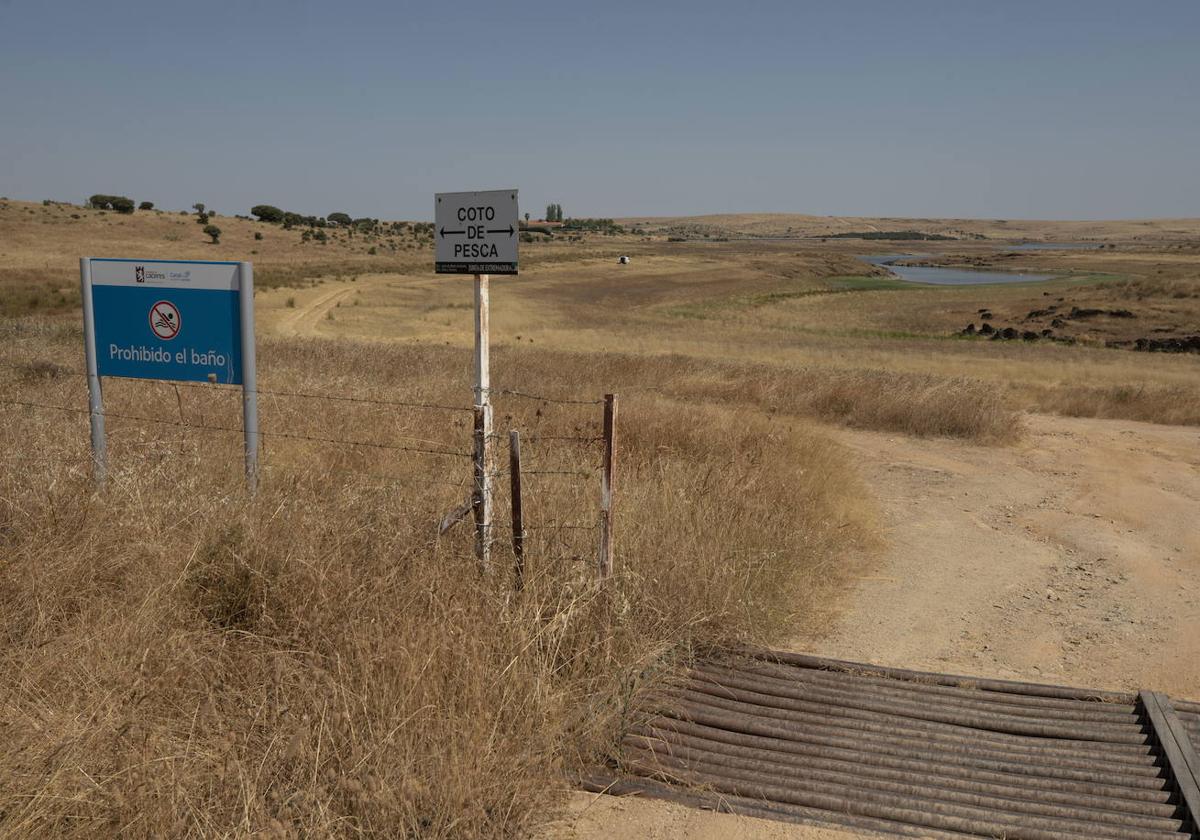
column 165, row 320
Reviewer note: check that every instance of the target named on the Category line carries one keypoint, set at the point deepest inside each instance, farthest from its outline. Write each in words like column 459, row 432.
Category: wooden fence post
column 518, row 520
column 607, row 475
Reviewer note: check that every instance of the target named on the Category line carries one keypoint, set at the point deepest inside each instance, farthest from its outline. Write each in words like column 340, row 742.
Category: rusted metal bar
column 1177, row 749
column 1011, row 703
column 848, row 784
column 958, row 736
column 660, row 740
column 962, row 754
column 801, row 689
column 962, row 757
column 608, row 486
column 788, row 696
column 980, row 684
column 866, row 756
column 1131, row 733
column 968, row 820
column 518, row 519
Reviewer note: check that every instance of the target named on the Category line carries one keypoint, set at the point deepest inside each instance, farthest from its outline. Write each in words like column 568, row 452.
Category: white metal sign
column 476, row 232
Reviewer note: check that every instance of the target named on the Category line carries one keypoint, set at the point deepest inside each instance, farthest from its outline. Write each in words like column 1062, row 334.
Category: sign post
column 95, row 395
column 181, row 320
column 476, row 233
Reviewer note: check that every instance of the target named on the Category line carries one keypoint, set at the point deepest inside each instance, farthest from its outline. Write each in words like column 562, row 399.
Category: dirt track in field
column 1071, row 557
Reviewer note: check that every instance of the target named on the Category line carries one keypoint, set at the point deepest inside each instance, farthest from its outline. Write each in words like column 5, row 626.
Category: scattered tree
column 146, row 205
column 199, row 208
column 267, row 213
column 339, row 218
column 119, row 203
column 214, row 232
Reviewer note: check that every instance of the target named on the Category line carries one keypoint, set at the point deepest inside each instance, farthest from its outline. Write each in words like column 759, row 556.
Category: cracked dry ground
column 1070, row 557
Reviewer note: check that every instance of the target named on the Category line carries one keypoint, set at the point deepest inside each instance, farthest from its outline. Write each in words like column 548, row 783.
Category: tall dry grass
column 1176, row 405
column 180, row 660
column 924, row 405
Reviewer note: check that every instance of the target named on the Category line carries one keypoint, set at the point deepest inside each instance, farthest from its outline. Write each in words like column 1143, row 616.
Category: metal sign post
column 249, row 375
column 483, row 425
column 476, row 233
column 181, row 320
column 95, row 394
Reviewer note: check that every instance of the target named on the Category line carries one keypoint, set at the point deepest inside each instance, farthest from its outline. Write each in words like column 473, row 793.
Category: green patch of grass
column 871, row 283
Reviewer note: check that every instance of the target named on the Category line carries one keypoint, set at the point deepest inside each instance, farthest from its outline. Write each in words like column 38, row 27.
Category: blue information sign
column 158, row 319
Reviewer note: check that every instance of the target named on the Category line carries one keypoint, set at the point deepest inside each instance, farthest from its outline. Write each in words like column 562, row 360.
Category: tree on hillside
column 146, row 205
column 267, row 213
column 119, row 203
column 214, row 232
column 199, row 208
column 338, row 218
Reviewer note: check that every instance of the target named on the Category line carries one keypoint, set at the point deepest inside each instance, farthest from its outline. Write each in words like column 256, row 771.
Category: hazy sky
column 956, row 108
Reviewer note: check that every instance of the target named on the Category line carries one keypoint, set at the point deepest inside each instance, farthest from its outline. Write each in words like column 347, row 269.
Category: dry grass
column 178, row 660
column 1177, row 405
column 915, row 404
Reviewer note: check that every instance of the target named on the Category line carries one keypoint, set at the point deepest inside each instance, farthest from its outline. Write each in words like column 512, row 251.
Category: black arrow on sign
column 451, row 232
column 508, row 230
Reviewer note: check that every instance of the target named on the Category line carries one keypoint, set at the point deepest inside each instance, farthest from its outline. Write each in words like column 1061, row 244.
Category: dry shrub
column 179, row 660
column 1177, row 405
column 917, row 405
column 1144, row 288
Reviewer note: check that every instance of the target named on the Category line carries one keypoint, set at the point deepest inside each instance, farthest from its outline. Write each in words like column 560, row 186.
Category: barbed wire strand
column 528, row 396
column 210, row 428
column 220, row 386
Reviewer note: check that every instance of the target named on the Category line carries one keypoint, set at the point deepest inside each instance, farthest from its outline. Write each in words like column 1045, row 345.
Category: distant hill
column 801, row 225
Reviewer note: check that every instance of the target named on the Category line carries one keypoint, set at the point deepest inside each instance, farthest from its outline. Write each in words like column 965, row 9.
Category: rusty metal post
column 607, row 488
column 518, row 519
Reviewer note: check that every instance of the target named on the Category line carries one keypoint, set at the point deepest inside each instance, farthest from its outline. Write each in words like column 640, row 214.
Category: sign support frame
column 249, row 375
column 95, row 391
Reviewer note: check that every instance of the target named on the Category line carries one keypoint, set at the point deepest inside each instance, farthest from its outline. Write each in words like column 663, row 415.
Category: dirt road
column 311, row 310
column 1071, row 557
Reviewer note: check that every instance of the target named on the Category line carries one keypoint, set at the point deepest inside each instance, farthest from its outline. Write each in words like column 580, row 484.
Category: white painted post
column 95, row 395
column 249, row 376
column 483, row 426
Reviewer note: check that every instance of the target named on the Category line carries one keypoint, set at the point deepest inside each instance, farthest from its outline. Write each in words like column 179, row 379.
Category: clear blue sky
column 956, row 108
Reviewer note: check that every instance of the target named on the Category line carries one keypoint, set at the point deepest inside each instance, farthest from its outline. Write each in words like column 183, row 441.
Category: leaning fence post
column 518, row 519
column 607, row 474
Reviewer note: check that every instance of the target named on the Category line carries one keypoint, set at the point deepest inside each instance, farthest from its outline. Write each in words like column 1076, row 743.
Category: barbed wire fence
column 541, row 465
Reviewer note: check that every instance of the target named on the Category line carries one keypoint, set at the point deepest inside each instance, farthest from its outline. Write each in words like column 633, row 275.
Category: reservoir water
column 939, row 276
